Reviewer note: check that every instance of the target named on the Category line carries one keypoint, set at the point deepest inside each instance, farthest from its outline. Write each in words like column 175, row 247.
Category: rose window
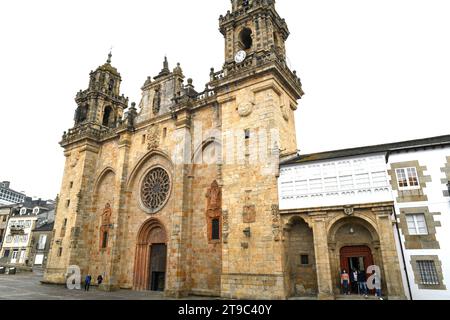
column 155, row 189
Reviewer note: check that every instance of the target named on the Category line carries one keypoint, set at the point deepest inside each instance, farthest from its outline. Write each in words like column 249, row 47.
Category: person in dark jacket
column 87, row 283
column 99, row 280
column 362, row 283
column 354, row 281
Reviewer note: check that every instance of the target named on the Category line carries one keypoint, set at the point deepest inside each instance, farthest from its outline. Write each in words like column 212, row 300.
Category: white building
column 9, row 196
column 4, row 216
column 409, row 178
column 420, row 176
column 23, row 219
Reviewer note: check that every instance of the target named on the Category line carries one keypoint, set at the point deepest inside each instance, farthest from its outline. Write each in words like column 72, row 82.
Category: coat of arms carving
column 349, row 211
column 249, row 214
column 153, row 137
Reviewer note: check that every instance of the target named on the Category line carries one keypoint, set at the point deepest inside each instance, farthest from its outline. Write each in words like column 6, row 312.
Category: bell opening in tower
column 245, row 39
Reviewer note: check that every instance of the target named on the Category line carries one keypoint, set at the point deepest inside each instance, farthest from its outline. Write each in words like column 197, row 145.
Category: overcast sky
column 374, row 71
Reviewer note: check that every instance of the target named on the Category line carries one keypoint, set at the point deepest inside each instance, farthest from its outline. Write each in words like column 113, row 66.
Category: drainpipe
column 403, row 254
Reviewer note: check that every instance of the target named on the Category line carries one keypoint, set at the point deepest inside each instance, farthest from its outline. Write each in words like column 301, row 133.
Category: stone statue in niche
column 105, row 226
column 157, row 101
column 106, row 216
column 214, row 205
column 214, row 212
column 153, row 137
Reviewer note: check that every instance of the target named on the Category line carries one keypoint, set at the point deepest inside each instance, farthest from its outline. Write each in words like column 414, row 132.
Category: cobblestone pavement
column 27, row 286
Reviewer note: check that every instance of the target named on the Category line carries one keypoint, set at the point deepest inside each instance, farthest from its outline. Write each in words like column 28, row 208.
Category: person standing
column 99, row 280
column 362, row 283
column 87, row 283
column 377, row 285
column 345, row 281
column 355, row 287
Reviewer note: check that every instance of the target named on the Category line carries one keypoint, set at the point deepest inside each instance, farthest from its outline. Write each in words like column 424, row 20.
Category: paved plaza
column 27, row 286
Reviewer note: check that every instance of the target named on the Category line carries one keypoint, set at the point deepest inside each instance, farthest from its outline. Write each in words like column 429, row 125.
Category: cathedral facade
column 180, row 194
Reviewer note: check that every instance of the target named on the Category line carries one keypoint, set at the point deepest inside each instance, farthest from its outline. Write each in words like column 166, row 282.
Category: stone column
column 324, row 281
column 177, row 284
column 116, row 231
column 392, row 275
column 79, row 235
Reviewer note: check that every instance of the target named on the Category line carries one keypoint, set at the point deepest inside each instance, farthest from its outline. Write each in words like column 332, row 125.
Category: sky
column 374, row 71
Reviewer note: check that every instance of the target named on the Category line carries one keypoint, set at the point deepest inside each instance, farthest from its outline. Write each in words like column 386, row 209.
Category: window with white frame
column 42, row 241
column 407, row 178
column 334, row 177
column 416, row 224
column 428, row 272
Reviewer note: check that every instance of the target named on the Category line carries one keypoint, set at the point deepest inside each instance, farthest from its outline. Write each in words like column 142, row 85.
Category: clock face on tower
column 240, row 56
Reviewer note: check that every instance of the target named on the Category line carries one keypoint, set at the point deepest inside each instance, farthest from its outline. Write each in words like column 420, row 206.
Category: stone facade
column 191, row 138
column 371, row 226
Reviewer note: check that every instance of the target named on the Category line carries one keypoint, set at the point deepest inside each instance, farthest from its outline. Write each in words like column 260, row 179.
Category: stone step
column 357, row 297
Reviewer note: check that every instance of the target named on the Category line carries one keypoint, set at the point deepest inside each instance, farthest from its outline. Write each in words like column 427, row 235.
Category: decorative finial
column 109, row 55
column 166, row 64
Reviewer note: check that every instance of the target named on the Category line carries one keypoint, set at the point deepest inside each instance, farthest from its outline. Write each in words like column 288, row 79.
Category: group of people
column 356, row 282
column 88, row 281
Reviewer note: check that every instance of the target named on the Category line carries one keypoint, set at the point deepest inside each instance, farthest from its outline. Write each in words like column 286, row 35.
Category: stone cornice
column 381, row 207
column 253, row 68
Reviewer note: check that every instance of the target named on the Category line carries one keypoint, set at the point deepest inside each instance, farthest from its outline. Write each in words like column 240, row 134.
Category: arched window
column 105, row 240
column 84, row 113
column 106, row 116
column 245, row 39
column 215, row 229
column 111, row 84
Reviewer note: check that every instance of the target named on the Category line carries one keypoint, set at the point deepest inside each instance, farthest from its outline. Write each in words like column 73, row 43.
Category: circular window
column 155, row 189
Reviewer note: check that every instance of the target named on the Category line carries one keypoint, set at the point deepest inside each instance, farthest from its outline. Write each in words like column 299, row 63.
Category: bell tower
column 101, row 103
column 254, row 27
column 258, row 95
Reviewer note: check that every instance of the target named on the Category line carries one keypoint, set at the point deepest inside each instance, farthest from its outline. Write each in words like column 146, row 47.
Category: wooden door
column 356, row 252
column 158, row 262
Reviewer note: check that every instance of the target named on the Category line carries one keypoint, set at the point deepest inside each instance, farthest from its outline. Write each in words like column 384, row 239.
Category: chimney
column 6, row 184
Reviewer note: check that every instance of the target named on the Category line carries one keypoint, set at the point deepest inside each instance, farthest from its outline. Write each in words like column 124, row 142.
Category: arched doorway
column 357, row 258
column 301, row 259
column 151, row 257
column 354, row 246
